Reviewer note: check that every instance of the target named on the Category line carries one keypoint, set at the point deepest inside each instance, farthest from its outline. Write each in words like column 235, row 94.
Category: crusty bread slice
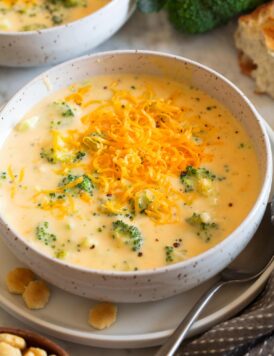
column 255, row 40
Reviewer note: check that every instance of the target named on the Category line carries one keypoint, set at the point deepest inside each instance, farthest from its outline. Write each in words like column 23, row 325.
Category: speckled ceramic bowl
column 59, row 43
column 161, row 282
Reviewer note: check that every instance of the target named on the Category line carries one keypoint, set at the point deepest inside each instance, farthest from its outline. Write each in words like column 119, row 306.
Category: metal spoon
column 257, row 257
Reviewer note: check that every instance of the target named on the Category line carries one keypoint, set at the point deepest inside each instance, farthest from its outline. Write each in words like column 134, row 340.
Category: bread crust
column 254, row 39
column 262, row 17
column 246, row 64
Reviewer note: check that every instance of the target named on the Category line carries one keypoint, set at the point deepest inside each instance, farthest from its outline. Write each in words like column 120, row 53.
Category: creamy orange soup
column 127, row 173
column 29, row 15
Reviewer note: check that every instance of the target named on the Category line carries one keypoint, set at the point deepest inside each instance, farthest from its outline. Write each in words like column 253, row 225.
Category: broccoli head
column 43, row 235
column 198, row 179
column 85, row 185
column 64, row 108
column 203, row 225
column 145, row 198
column 127, row 235
column 173, row 255
column 54, row 156
column 196, row 16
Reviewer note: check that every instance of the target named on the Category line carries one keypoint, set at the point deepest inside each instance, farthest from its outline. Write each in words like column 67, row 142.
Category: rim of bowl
column 52, row 28
column 265, row 183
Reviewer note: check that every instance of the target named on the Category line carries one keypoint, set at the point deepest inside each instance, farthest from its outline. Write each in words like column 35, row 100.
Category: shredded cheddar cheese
column 21, row 2
column 78, row 96
column 21, row 175
column 15, row 180
column 134, row 144
column 10, row 173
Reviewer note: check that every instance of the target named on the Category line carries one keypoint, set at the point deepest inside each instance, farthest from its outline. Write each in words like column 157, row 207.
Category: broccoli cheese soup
column 29, row 15
column 127, row 172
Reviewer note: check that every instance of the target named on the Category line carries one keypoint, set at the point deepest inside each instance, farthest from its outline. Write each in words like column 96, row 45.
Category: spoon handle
column 174, row 341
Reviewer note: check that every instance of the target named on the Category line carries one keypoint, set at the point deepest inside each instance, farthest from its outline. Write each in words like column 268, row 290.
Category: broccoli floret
column 79, row 156
column 196, row 16
column 197, row 179
column 61, row 254
column 86, row 185
column 56, row 196
column 64, row 108
column 127, row 235
column 48, row 155
column 141, row 202
column 188, row 178
column 3, row 175
column 57, row 19
column 43, row 235
column 68, row 179
column 169, row 253
column 53, row 156
column 144, row 200
column 203, row 225
column 173, row 255
column 65, row 113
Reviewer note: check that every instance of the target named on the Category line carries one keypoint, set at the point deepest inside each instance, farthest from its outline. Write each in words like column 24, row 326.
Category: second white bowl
column 59, row 43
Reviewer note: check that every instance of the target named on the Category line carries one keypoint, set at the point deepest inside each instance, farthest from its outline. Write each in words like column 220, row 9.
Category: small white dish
column 59, row 43
column 138, row 325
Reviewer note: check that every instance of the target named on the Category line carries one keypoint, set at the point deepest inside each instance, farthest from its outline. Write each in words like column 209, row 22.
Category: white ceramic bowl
column 161, row 282
column 59, row 43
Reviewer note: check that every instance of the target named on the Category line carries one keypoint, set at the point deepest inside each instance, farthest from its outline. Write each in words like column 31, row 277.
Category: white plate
column 138, row 325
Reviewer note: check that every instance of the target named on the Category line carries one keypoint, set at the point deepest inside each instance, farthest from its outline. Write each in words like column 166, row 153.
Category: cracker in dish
column 18, row 279
column 36, row 295
column 35, row 351
column 255, row 40
column 102, row 315
column 13, row 345
column 13, row 340
column 8, row 350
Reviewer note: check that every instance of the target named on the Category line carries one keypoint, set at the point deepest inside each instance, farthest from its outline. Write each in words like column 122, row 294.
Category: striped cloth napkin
column 249, row 334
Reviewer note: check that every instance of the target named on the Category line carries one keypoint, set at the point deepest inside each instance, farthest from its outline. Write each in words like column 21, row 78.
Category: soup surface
column 127, row 173
column 30, row 15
